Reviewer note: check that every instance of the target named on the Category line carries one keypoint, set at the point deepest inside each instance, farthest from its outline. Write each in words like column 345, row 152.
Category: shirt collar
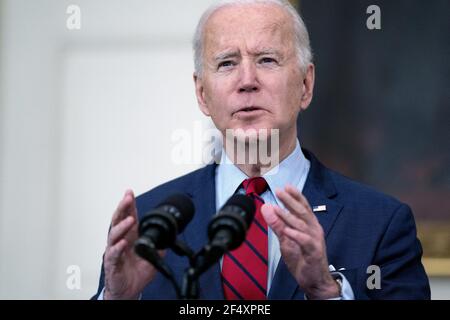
column 289, row 171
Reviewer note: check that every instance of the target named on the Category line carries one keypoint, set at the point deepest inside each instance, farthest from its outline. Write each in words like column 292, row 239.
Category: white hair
column 302, row 45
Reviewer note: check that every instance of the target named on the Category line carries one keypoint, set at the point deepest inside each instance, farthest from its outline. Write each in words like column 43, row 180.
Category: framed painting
column 381, row 112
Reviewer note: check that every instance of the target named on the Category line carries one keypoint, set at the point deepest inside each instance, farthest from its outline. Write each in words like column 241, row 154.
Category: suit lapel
column 317, row 198
column 203, row 194
column 319, row 190
column 283, row 285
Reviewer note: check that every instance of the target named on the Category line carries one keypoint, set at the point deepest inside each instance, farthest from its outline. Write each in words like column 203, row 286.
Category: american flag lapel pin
column 321, row 208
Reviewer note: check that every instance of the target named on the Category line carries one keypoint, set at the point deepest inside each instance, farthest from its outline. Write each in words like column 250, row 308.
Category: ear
column 200, row 93
column 308, row 87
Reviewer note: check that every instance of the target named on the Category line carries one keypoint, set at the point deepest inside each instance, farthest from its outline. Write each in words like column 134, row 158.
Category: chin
column 250, row 125
column 251, row 131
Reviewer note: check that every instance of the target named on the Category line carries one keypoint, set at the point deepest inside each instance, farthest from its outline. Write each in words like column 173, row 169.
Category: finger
column 115, row 252
column 125, row 206
column 132, row 211
column 314, row 227
column 120, row 230
column 295, row 206
column 294, row 192
column 119, row 213
column 269, row 213
column 294, row 222
column 303, row 240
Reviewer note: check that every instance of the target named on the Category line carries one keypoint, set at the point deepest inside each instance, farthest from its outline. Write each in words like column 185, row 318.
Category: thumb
column 270, row 214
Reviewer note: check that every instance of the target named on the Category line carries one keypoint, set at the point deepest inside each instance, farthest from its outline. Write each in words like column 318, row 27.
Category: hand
column 302, row 243
column 126, row 274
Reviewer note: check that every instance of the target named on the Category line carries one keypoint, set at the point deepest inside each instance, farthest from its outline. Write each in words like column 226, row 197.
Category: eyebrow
column 233, row 54
column 226, row 55
column 266, row 51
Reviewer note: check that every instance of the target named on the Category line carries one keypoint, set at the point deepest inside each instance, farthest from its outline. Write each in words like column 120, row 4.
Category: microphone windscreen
column 184, row 206
column 245, row 203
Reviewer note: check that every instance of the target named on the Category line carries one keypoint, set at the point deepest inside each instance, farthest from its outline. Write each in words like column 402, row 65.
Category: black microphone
column 158, row 228
column 228, row 228
column 226, row 231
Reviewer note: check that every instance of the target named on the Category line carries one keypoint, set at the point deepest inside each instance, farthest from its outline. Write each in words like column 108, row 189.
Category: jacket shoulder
column 364, row 199
column 344, row 189
column 360, row 191
column 185, row 184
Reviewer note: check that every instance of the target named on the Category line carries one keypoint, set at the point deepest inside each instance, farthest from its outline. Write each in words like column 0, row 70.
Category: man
column 254, row 72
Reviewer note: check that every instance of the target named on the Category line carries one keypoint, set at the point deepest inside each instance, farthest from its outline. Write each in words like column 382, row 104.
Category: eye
column 267, row 60
column 226, row 64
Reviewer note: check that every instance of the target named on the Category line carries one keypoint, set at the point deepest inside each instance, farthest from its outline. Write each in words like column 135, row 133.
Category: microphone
column 226, row 232
column 228, row 228
column 158, row 228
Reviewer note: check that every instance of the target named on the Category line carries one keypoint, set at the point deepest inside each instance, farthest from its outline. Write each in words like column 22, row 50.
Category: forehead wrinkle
column 276, row 30
column 218, row 20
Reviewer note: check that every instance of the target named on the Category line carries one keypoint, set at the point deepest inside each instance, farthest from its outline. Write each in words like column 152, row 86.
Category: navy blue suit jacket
column 362, row 228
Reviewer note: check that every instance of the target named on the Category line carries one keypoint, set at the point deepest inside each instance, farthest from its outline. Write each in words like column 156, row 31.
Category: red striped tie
column 244, row 270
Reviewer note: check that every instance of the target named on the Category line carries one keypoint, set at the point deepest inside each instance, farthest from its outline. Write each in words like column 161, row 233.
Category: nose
column 248, row 78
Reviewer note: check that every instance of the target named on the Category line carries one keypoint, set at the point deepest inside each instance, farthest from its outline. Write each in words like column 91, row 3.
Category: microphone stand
column 190, row 287
column 198, row 263
column 147, row 250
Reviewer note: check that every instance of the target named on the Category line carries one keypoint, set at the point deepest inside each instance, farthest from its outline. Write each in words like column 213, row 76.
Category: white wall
column 85, row 114
column 82, row 114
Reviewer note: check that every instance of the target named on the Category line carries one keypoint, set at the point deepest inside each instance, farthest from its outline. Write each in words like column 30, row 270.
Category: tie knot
column 255, row 185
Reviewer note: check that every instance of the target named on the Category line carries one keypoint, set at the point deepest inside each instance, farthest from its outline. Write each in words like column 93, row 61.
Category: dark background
column 381, row 109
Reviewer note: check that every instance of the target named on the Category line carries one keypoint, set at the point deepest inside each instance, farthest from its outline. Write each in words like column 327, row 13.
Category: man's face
column 251, row 77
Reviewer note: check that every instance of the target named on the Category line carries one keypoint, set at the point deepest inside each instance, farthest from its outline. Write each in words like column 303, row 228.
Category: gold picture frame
column 435, row 239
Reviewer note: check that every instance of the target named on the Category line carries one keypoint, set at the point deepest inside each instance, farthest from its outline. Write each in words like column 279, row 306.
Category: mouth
column 248, row 110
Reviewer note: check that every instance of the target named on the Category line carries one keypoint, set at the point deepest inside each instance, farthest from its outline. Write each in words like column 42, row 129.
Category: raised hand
column 126, row 274
column 302, row 243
